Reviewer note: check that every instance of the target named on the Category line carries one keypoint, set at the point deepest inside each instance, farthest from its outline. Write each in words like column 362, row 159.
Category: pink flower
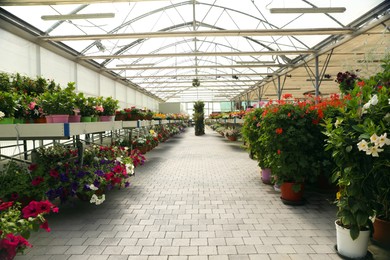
column 6, row 205
column 37, row 180
column 99, row 108
column 31, row 210
column 45, row 226
column 32, row 105
column 53, row 173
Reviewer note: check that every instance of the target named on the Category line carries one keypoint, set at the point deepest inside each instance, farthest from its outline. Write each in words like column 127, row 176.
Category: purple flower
column 109, row 186
column 127, row 184
column 96, row 183
column 99, row 172
column 64, row 177
column 74, row 186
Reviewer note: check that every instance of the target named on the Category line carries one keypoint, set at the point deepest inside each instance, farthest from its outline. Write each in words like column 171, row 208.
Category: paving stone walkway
column 196, row 198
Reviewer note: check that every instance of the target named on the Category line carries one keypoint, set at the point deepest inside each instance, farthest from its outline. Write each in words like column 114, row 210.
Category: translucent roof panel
column 163, row 45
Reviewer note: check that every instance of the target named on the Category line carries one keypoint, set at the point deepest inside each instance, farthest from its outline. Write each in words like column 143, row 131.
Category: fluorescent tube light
column 313, row 10
column 77, row 16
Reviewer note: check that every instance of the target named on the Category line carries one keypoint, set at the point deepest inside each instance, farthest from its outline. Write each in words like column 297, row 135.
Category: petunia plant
column 17, row 223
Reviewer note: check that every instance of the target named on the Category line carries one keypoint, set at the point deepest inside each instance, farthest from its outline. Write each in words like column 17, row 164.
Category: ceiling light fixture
column 314, row 10
column 62, row 17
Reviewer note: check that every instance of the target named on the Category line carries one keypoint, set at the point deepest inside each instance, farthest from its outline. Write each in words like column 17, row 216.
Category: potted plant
column 109, row 105
column 360, row 147
column 7, row 107
column 251, row 132
column 87, row 107
column 17, row 223
column 199, row 117
column 232, row 134
column 59, row 104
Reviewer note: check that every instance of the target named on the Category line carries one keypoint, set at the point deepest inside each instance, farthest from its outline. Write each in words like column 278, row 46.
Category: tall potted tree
column 199, row 117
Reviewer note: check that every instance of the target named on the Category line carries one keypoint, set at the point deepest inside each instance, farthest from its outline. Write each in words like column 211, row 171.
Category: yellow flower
column 338, row 195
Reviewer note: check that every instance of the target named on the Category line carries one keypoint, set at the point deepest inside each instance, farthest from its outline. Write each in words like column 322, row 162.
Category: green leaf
column 354, row 232
column 358, row 128
column 361, row 218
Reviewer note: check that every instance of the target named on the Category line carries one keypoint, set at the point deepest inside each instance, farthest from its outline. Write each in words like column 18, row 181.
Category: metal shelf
column 68, row 130
column 54, row 131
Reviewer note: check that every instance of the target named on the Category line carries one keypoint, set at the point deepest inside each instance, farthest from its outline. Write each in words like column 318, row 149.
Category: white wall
column 18, row 55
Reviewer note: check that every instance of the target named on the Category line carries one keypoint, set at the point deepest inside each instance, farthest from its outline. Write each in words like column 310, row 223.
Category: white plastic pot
column 348, row 247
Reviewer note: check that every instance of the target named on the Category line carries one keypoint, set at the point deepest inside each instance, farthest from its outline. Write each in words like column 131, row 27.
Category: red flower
column 315, row 121
column 32, row 167
column 37, row 180
column 289, row 115
column 286, row 96
column 108, row 176
column 54, row 173
column 117, row 169
column 14, row 196
column 380, row 87
column 45, row 226
column 116, row 180
column 30, row 210
column 34, row 208
column 361, row 83
column 6, row 205
column 279, row 152
column 279, row 131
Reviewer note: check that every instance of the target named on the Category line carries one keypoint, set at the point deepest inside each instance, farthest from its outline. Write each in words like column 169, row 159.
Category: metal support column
column 317, row 78
column 279, row 89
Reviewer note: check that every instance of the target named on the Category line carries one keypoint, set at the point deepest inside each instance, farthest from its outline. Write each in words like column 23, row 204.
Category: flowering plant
column 234, row 132
column 59, row 102
column 109, row 105
column 19, row 183
column 7, row 104
column 16, row 225
column 358, row 140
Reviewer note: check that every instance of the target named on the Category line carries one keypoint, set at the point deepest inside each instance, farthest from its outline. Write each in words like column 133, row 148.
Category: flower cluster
column 374, row 147
column 16, row 225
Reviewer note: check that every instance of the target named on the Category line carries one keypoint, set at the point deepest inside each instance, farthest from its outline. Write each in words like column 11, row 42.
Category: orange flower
column 279, row 131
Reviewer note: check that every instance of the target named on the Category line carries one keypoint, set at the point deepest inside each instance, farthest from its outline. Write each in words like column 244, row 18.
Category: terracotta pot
column 232, row 138
column 381, row 232
column 289, row 195
column 266, row 175
column 40, row 120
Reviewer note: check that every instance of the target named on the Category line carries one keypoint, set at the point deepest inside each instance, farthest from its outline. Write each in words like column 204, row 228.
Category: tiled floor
column 196, row 198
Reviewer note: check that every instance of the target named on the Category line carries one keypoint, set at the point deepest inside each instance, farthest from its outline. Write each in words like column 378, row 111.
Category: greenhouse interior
column 194, row 130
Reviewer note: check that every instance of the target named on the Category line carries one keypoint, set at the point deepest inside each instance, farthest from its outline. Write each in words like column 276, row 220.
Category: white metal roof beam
column 213, row 54
column 202, row 67
column 200, row 75
column 61, row 2
column 209, row 33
